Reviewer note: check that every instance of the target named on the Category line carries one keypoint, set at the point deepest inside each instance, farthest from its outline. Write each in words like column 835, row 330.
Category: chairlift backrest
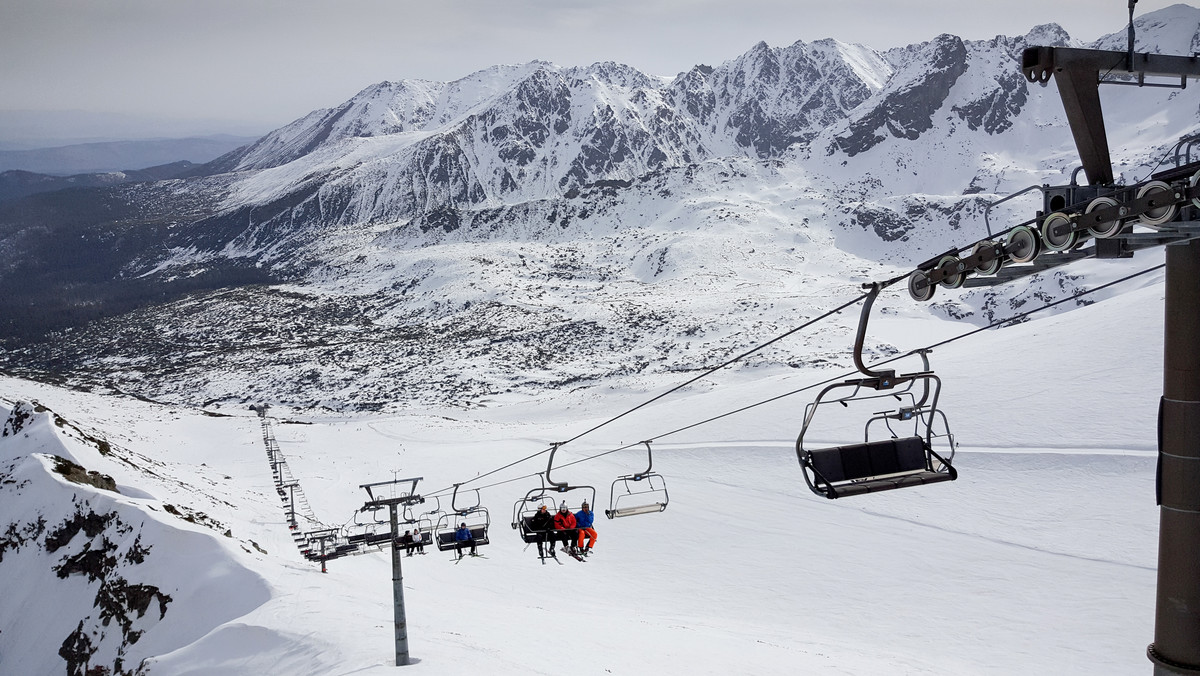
column 528, row 506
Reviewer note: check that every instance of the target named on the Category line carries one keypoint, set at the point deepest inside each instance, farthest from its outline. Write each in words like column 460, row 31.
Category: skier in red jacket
column 564, row 523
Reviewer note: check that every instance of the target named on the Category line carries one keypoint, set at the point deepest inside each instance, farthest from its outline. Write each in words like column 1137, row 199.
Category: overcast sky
column 268, row 62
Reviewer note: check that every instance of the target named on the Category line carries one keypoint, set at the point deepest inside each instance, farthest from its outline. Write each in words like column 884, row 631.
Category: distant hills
column 115, row 156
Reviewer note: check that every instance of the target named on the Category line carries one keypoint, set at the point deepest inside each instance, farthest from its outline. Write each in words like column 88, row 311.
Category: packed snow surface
column 1039, row 559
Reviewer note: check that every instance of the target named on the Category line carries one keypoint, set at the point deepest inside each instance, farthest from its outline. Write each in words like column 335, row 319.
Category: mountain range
column 532, row 227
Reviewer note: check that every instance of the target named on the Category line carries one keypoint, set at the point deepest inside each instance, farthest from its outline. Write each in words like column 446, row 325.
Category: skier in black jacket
column 541, row 524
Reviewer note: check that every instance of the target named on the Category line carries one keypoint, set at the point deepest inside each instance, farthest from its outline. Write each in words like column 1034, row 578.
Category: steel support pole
column 1080, row 92
column 1176, row 647
column 398, row 593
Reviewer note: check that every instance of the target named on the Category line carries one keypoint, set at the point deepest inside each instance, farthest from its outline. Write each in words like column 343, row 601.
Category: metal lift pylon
column 409, row 498
column 1176, row 647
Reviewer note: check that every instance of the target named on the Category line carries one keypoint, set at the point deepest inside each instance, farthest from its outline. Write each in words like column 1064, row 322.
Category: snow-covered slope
column 745, row 571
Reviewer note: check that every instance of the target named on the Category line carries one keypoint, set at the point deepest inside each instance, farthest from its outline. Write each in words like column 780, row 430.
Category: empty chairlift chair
column 640, row 493
column 910, row 446
column 371, row 526
column 879, row 464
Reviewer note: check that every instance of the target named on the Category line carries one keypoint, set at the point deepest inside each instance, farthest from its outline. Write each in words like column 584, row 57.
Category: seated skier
column 463, row 538
column 564, row 522
column 584, row 519
column 541, row 524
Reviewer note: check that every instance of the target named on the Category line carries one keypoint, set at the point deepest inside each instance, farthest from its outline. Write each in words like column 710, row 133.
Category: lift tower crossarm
column 1077, row 73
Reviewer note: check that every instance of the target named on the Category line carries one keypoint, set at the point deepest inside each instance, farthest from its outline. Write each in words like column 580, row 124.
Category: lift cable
column 972, row 332
column 705, row 374
column 995, row 324
column 714, row 369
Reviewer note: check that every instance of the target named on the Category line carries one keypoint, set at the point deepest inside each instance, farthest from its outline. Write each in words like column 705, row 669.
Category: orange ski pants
column 591, row 536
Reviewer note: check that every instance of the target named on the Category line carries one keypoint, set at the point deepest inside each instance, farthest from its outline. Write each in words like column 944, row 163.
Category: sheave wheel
column 1025, row 243
column 1192, row 183
column 919, row 287
column 954, row 274
column 1108, row 228
column 990, row 267
column 1061, row 241
column 1158, row 215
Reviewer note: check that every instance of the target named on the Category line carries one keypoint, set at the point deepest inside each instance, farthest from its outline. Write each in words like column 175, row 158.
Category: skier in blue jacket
column 584, row 519
column 462, row 538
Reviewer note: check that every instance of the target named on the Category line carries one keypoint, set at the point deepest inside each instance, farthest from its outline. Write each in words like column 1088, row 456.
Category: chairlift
column 641, row 493
column 525, row 508
column 893, row 461
column 369, row 528
column 425, row 521
column 432, row 514
column 372, row 515
column 474, row 516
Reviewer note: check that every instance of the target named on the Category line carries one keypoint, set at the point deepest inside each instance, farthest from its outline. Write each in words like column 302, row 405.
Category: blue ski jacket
column 462, row 534
column 584, row 519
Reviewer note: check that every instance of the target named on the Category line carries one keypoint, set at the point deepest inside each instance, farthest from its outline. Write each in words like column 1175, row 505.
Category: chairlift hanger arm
column 461, row 510
column 883, row 379
column 649, row 463
column 558, row 485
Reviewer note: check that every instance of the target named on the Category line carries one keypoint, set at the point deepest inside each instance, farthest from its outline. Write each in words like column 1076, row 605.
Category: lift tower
column 1077, row 73
column 393, row 503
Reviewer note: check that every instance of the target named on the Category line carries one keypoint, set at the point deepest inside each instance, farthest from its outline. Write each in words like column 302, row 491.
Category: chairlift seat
column 447, row 542
column 530, row 535
column 874, row 466
column 634, row 510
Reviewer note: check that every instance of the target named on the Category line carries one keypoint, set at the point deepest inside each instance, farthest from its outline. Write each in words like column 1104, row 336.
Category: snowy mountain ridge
column 580, row 223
